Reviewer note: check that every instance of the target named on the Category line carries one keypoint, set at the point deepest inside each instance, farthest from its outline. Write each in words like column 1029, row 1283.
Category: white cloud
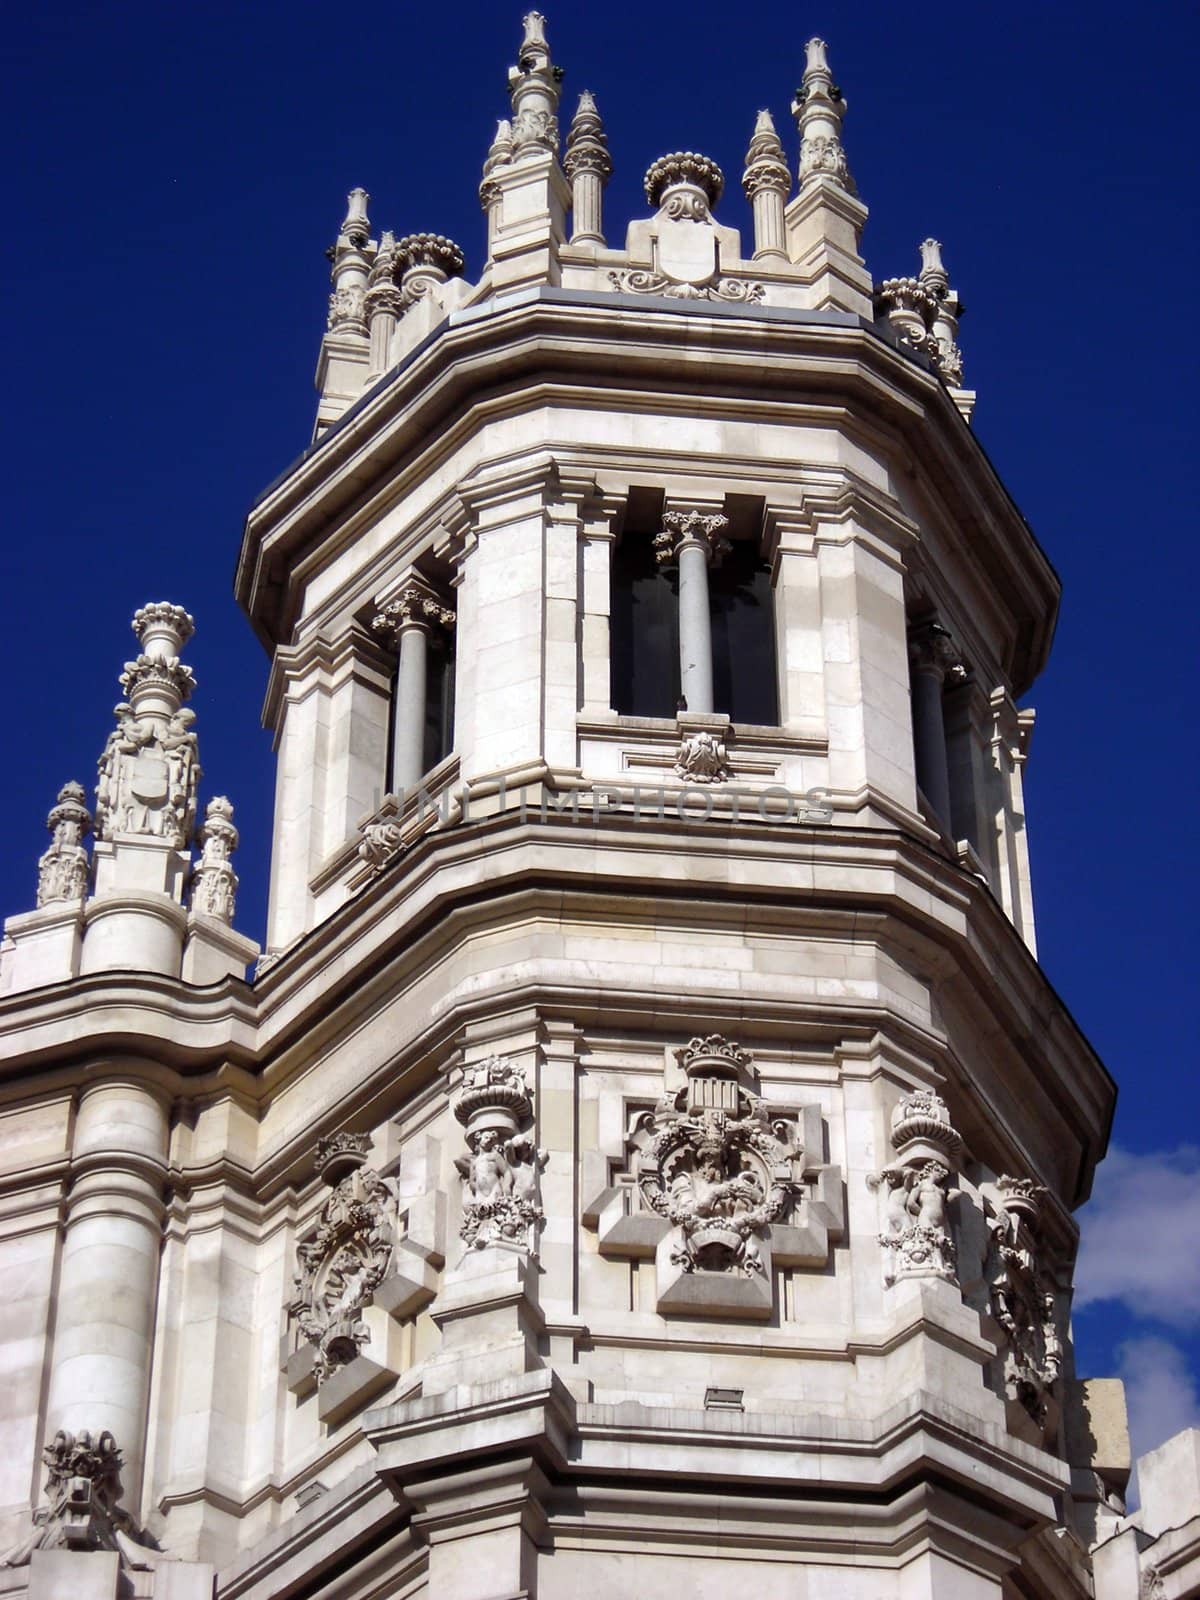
column 1140, row 1234
column 1160, row 1391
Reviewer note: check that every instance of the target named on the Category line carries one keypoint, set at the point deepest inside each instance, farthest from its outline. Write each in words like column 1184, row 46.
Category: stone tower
column 645, row 1155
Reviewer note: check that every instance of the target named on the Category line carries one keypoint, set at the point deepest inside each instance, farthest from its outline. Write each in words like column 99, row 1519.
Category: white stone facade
column 646, row 1152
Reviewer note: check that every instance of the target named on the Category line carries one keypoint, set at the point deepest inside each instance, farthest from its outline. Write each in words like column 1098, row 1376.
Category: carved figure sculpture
column 83, row 1486
column 914, row 1223
column 1023, row 1299
column 501, row 1204
column 63, row 869
column 716, row 1168
column 345, row 1255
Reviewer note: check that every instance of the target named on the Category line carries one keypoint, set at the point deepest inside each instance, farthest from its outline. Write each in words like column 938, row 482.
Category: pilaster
column 867, row 705
column 328, row 704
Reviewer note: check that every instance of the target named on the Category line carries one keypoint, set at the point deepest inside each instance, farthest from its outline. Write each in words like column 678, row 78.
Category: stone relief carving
column 736, row 291
column 681, row 246
column 501, row 1171
column 380, row 843
column 346, row 1255
column 347, row 310
column 717, row 1170
column 702, row 758
column 718, row 1190
column 214, row 882
column 63, row 869
column 1023, row 1297
column 149, row 769
column 914, row 1222
column 83, row 1486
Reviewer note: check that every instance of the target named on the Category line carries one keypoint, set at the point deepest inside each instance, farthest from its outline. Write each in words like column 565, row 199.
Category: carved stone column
column 384, row 306
column 693, row 539
column 932, row 656
column 766, row 181
column 104, row 1318
column 407, row 621
column 588, row 166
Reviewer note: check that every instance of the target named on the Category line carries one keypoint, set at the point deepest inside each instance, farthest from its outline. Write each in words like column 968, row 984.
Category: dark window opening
column 439, row 703
column 644, row 632
column 745, row 682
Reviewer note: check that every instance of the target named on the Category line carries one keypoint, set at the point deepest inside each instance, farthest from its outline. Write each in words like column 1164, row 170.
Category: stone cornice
column 607, row 343
column 801, row 880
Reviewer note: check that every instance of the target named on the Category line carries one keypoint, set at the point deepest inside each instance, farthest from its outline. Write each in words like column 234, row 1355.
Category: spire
column 936, row 282
column 766, row 182
column 588, row 166
column 818, row 109
column 63, row 870
column 534, row 84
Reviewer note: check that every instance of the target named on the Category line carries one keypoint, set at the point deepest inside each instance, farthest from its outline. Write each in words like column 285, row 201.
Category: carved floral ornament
column 501, row 1171
column 702, row 758
column 718, row 1190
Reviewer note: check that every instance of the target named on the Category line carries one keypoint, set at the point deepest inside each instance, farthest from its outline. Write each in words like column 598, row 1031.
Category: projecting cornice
column 642, row 355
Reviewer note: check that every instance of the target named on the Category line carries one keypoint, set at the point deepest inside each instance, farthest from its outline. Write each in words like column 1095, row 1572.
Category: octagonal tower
column 646, row 1155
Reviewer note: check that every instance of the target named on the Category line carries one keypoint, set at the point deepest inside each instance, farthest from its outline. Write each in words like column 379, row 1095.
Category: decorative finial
column 149, row 768
column 588, row 166
column 534, row 86
column 425, row 259
column 819, row 108
column 700, row 183
column 347, row 310
column 948, row 308
column 214, row 882
column 766, row 182
column 63, row 870
column 356, row 225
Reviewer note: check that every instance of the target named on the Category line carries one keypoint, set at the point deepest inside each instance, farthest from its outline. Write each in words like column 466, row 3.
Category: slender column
column 384, row 305
column 766, row 181
column 588, row 166
column 932, row 654
column 692, row 539
column 104, row 1320
column 408, row 620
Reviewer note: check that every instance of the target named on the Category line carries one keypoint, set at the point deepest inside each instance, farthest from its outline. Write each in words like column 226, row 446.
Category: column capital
column 415, row 605
column 687, row 527
column 931, row 648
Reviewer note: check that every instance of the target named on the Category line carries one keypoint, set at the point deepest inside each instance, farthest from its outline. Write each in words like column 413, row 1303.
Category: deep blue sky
column 176, row 170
